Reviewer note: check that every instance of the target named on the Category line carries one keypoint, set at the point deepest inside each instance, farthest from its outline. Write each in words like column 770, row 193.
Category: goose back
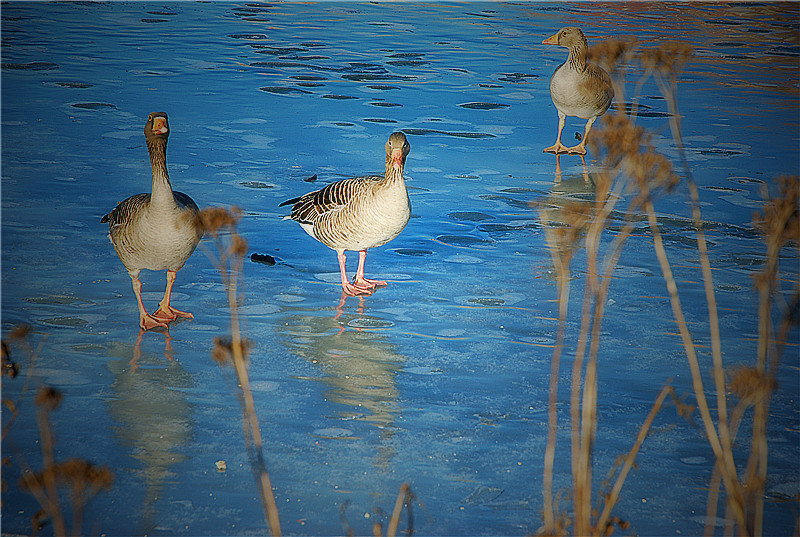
column 354, row 214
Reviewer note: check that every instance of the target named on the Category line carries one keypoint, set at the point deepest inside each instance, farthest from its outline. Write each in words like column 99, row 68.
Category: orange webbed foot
column 356, row 289
column 369, row 284
column 556, row 148
column 577, row 150
column 148, row 322
column 168, row 313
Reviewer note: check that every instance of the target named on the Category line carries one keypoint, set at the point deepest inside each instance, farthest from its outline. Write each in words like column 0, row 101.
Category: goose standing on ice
column 358, row 213
column 155, row 231
column 578, row 88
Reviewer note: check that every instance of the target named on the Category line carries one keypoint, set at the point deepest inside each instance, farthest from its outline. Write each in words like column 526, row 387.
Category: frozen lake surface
column 440, row 379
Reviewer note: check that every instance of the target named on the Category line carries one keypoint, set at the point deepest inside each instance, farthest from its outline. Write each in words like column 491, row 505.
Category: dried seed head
column 223, row 351
column 612, row 54
column 212, row 219
column 628, row 150
column 238, row 246
column 10, row 368
column 669, row 58
column 80, row 474
column 779, row 219
column 618, row 138
column 653, row 171
column 20, row 331
column 48, row 398
column 748, row 383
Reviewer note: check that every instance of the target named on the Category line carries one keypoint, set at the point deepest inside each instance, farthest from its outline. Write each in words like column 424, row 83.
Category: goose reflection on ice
column 152, row 415
column 568, row 203
column 358, row 363
column 581, row 186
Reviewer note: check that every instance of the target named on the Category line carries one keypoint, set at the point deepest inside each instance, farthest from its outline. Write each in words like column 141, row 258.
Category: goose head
column 157, row 126
column 397, row 148
column 570, row 37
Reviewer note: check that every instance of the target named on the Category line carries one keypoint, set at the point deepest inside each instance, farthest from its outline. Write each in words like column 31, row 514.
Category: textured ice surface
column 441, row 378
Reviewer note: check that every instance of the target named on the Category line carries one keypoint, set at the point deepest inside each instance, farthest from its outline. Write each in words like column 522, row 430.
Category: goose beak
column 552, row 40
column 160, row 125
column 397, row 158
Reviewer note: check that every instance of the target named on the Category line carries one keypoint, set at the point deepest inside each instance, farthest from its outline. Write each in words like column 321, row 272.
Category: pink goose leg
column 165, row 311
column 352, row 289
column 360, row 279
column 146, row 321
column 558, row 147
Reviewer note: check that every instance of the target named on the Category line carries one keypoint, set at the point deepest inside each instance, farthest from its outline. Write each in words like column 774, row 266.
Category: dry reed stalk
column 723, row 455
column 581, row 493
column 403, row 498
column 583, row 395
column 780, row 216
column 611, row 499
column 667, row 63
column 589, row 221
column 562, row 243
column 628, row 153
column 20, row 335
column 779, row 225
column 81, row 479
column 47, row 399
column 597, row 286
column 562, row 275
column 231, row 249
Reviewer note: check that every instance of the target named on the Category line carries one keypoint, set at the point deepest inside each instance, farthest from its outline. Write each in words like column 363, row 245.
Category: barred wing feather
column 309, row 207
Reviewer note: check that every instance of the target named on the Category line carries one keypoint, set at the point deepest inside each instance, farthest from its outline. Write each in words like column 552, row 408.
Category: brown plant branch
column 403, row 498
column 229, row 259
column 729, row 475
column 613, row 496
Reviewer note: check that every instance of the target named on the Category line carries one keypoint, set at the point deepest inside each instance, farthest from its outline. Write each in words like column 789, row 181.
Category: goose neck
column 158, row 161
column 577, row 56
column 393, row 173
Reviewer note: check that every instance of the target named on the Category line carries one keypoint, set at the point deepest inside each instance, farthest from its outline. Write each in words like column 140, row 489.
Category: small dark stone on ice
column 311, row 179
column 264, row 259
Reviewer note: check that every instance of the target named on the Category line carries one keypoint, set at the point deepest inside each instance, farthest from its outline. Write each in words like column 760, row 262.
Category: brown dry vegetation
column 629, row 164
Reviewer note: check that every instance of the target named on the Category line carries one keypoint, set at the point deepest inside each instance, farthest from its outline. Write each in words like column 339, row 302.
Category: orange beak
column 552, row 40
column 160, row 125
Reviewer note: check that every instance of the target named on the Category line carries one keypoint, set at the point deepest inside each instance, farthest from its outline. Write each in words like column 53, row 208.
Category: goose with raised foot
column 156, row 230
column 577, row 87
column 358, row 213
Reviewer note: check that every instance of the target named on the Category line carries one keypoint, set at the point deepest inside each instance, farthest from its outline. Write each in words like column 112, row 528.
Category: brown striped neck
column 577, row 54
column 394, row 173
column 162, row 189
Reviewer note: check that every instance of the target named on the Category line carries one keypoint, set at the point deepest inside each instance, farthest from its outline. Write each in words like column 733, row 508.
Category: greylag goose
column 155, row 231
column 578, row 88
column 358, row 213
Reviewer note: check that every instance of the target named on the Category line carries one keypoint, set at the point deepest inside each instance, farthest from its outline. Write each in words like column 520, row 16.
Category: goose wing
column 185, row 202
column 126, row 210
column 599, row 86
column 307, row 208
